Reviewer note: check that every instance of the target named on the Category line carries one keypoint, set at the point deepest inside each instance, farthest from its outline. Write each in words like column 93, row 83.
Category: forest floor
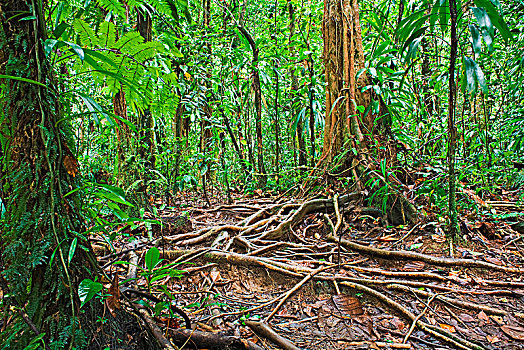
column 269, row 273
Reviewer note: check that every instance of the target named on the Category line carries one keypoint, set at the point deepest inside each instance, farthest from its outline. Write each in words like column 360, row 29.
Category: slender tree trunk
column 262, row 179
column 147, row 122
column 452, row 131
column 294, row 89
column 311, row 112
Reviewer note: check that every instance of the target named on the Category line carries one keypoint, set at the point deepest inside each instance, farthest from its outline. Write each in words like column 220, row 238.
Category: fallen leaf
column 397, row 322
column 447, row 327
column 492, row 339
column 482, row 316
column 514, row 332
column 466, row 318
column 438, row 238
column 113, row 300
column 215, row 275
column 348, row 304
column 493, row 261
column 497, row 319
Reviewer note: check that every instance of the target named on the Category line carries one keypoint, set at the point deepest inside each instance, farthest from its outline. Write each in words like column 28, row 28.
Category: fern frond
column 146, row 51
column 126, row 43
column 112, row 5
column 160, row 6
column 107, row 36
column 86, row 33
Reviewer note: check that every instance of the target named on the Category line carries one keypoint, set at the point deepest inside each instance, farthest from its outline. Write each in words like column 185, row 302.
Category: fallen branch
column 210, row 340
column 263, row 330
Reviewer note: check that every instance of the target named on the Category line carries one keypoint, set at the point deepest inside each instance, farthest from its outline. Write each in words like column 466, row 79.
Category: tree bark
column 43, row 253
column 262, row 178
column 353, row 121
column 452, row 131
column 39, row 168
column 147, row 122
column 299, row 133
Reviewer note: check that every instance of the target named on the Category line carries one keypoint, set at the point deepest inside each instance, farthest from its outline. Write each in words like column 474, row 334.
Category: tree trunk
column 294, row 89
column 262, row 179
column 452, row 130
column 343, row 57
column 352, row 120
column 147, row 122
column 44, row 255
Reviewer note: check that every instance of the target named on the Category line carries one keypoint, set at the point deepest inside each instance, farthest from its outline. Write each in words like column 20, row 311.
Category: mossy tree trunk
column 38, row 170
column 43, row 253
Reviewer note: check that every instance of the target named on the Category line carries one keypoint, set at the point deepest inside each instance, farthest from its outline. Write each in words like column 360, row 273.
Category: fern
column 112, row 5
column 86, row 33
column 107, row 36
column 161, row 6
column 129, row 40
column 146, row 51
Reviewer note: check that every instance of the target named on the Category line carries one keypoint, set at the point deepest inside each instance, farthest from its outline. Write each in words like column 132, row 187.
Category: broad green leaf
column 475, row 38
column 495, row 17
column 113, row 197
column 72, row 250
column 60, row 29
column 485, row 26
column 470, row 72
column 31, row 81
column 152, row 258
column 413, row 47
column 416, row 35
column 87, row 290
column 481, row 79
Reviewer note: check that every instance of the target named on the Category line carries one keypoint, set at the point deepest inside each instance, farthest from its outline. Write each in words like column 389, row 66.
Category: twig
column 295, row 288
column 264, row 330
column 414, row 323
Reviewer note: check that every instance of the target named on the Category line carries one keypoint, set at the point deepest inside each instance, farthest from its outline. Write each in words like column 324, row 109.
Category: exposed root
column 399, row 254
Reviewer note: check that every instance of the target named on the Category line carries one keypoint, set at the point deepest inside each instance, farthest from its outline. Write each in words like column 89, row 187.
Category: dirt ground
column 318, row 294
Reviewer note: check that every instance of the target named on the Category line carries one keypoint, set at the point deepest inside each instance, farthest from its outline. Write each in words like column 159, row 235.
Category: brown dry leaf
column 388, row 238
column 397, row 322
column 71, row 164
column 514, row 332
column 414, row 266
column 473, row 196
column 492, row 339
column 466, row 318
column 494, row 261
column 447, row 327
column 438, row 238
column 482, row 316
column 215, row 276
column 348, row 304
column 113, row 300
column 497, row 319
